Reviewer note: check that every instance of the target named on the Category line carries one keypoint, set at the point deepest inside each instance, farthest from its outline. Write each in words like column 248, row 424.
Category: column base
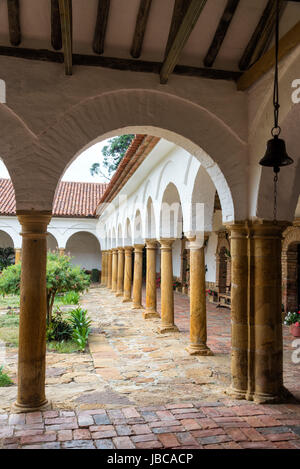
column 126, row 300
column 17, row 408
column 165, row 328
column 137, row 306
column 119, row 293
column 237, row 393
column 199, row 350
column 150, row 314
column 283, row 395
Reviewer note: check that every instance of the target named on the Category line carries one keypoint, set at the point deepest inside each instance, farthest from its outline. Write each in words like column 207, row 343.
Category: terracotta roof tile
column 72, row 199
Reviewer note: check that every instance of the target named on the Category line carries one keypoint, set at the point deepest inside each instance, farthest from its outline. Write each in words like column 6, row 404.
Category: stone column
column 120, row 279
column 239, row 310
column 266, row 319
column 151, row 246
column 198, row 323
column 127, row 274
column 114, row 279
column 61, row 251
column 33, row 309
column 109, row 269
column 18, row 253
column 167, row 294
column 103, row 268
column 138, row 276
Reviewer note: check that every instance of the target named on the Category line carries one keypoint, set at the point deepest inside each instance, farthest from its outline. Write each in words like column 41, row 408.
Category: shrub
column 59, row 329
column 7, row 257
column 71, row 298
column 4, row 379
column 62, row 277
column 81, row 327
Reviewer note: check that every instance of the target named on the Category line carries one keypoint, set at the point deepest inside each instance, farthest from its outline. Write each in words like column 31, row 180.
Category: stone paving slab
column 130, row 364
column 208, row 426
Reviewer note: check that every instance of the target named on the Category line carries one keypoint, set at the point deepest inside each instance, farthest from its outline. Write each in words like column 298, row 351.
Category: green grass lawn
column 13, row 301
column 9, row 327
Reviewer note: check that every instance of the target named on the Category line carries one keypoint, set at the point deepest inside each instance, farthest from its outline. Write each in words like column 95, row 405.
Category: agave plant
column 81, row 327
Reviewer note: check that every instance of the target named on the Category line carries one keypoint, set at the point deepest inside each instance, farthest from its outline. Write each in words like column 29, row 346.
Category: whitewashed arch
column 150, row 220
column 138, row 228
column 171, row 218
column 127, row 233
column 219, row 148
column 6, row 241
column 13, row 229
column 85, row 250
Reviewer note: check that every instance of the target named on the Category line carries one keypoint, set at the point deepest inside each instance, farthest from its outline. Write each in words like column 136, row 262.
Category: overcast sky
column 79, row 170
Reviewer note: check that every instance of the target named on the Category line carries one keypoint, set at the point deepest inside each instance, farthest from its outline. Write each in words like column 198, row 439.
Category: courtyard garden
column 68, row 325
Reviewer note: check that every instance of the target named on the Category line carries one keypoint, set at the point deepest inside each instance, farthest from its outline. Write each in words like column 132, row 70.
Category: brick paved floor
column 194, row 425
column 219, row 336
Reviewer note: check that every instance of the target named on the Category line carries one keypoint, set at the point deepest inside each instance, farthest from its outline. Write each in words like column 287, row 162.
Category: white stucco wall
column 85, row 250
column 86, row 247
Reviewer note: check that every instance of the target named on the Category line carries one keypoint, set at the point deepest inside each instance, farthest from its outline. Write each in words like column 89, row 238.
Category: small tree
column 62, row 276
column 113, row 154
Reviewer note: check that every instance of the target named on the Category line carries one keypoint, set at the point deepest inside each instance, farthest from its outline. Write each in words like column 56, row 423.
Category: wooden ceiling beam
column 13, row 8
column 179, row 10
column 288, row 42
column 133, row 65
column 140, row 28
column 186, row 27
column 262, row 36
column 101, row 26
column 56, row 39
column 221, row 31
column 65, row 11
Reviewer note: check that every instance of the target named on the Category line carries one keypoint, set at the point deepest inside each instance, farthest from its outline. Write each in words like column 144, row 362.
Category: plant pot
column 295, row 330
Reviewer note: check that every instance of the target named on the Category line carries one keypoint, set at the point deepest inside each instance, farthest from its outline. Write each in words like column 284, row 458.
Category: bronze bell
column 276, row 155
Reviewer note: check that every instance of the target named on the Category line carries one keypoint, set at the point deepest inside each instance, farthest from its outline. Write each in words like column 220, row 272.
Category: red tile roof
column 72, row 199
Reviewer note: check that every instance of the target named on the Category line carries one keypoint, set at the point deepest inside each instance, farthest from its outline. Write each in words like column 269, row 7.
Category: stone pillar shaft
column 103, row 268
column 120, row 279
column 167, row 294
column 114, row 280
column 33, row 310
column 266, row 320
column 18, row 253
column 138, row 276
column 256, row 364
column 61, row 251
column 198, row 325
column 127, row 274
column 151, row 312
column 239, row 307
column 109, row 269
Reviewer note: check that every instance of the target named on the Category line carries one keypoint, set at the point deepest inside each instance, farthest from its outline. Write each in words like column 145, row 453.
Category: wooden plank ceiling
column 185, row 16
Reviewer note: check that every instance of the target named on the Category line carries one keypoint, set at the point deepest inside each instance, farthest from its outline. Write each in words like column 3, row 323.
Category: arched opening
column 52, row 244
column 84, row 249
column 150, row 220
column 6, row 240
column 7, row 252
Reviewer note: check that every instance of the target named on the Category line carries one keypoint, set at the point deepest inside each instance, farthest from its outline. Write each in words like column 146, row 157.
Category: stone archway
column 291, row 269
column 84, row 249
